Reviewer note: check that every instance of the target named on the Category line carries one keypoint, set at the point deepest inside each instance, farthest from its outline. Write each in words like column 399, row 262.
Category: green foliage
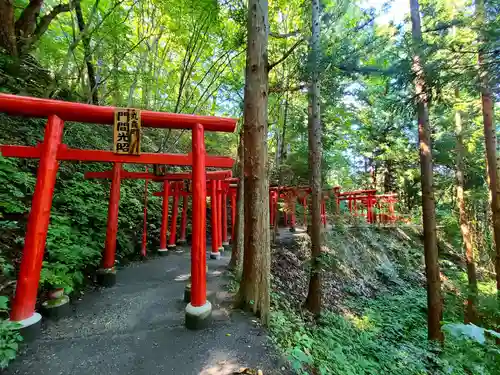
column 386, row 335
column 9, row 336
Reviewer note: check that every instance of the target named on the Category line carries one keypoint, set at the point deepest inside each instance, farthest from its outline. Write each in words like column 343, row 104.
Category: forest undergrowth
column 374, row 319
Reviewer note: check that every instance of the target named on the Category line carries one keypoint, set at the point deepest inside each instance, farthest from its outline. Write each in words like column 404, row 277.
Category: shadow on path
column 137, row 327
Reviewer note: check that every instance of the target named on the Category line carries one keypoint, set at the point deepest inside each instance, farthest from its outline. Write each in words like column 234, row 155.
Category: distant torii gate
column 51, row 150
column 219, row 188
column 174, row 190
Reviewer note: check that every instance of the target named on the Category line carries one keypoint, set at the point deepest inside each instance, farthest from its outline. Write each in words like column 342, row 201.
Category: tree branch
column 444, row 26
column 45, row 21
column 285, row 36
column 286, row 54
column 279, row 89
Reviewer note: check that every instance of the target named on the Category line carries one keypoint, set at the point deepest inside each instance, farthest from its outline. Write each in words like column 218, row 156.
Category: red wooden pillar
column 164, row 219
column 285, row 213
column 182, row 240
column 145, row 219
column 219, row 215
column 292, row 214
column 173, row 224
column 199, row 309
column 369, row 208
column 213, row 206
column 233, row 214
column 271, row 208
column 106, row 275
column 225, row 243
column 23, row 307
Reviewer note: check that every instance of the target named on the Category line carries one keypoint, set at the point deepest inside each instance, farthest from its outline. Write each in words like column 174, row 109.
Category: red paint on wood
column 145, row 219
column 224, row 216
column 198, row 256
column 108, row 259
column 23, row 306
column 213, row 209
column 69, row 111
column 175, row 208
column 164, row 215
column 184, row 217
column 65, row 153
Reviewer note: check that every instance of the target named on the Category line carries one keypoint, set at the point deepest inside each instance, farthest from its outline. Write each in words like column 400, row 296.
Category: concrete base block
column 55, row 309
column 171, row 246
column 226, row 246
column 214, row 255
column 181, row 242
column 30, row 327
column 106, row 277
column 163, row 252
column 292, row 229
column 198, row 317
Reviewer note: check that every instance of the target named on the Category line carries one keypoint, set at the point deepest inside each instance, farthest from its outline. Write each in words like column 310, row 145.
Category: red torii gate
column 219, row 187
column 114, row 200
column 51, row 150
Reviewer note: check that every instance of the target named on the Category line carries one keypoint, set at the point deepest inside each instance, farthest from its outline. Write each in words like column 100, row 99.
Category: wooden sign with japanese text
column 127, row 131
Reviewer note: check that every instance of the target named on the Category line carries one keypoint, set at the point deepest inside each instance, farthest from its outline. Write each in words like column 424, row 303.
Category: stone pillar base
column 214, row 255
column 181, row 242
column 106, row 277
column 56, row 308
column 30, row 327
column 198, row 317
column 163, row 252
column 292, row 229
column 226, row 246
column 171, row 246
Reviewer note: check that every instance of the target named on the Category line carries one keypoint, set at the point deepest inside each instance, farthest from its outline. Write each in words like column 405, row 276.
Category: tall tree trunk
column 490, row 140
column 7, row 29
column 236, row 261
column 93, row 95
column 313, row 301
column 434, row 300
column 255, row 281
column 470, row 316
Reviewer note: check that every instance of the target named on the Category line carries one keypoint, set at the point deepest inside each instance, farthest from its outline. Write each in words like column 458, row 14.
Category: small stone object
column 57, row 306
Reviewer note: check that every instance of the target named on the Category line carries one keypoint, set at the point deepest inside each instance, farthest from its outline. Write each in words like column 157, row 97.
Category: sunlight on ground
column 362, row 323
column 487, row 287
column 183, row 277
column 218, row 364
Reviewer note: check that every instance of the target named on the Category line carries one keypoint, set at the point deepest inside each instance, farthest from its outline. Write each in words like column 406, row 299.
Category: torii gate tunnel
column 51, row 151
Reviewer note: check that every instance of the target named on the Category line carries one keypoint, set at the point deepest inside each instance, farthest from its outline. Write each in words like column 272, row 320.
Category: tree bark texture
column 236, row 261
column 18, row 37
column 255, row 282
column 7, row 29
column 490, row 141
column 93, row 94
column 470, row 315
column 434, row 300
column 313, row 301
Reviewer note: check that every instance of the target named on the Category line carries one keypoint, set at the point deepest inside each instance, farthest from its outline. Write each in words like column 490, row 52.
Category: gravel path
column 137, row 327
